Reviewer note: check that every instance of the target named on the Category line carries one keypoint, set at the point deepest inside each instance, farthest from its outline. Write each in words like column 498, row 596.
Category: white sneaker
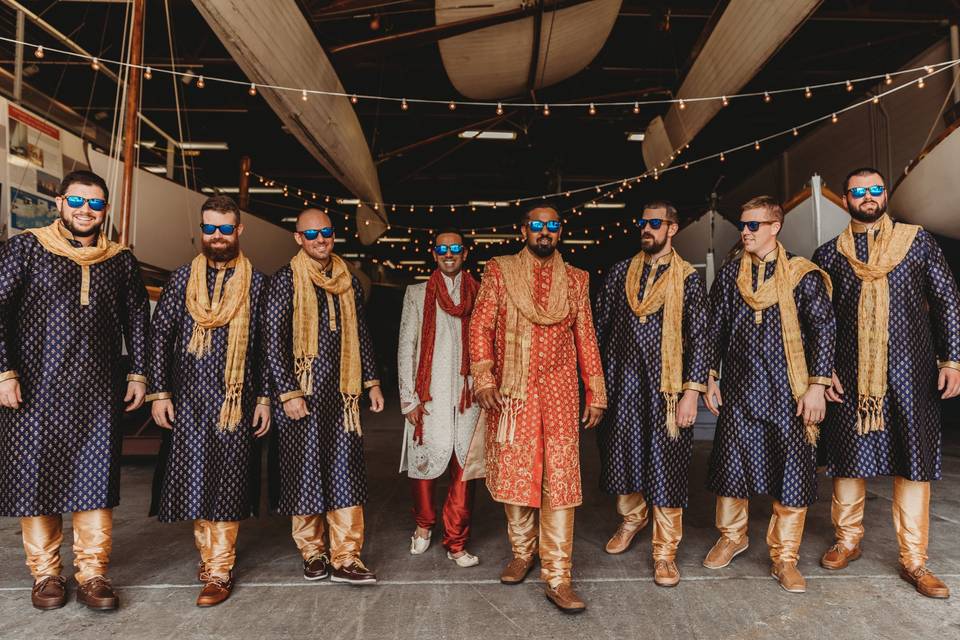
column 464, row 561
column 418, row 545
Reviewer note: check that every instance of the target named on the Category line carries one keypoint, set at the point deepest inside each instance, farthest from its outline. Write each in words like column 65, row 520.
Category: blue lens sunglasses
column 655, row 223
column 753, row 225
column 75, row 202
column 859, row 192
column 311, row 234
column 537, row 225
column 443, row 249
column 225, row 229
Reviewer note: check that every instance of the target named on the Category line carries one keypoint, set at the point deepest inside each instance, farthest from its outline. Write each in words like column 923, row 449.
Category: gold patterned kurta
column 547, row 438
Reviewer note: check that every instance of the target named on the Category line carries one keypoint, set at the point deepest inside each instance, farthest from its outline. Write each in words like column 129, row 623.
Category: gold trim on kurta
column 290, row 395
column 714, row 374
column 136, row 377
column 8, row 375
column 820, row 380
column 265, row 401
column 369, row 384
column 163, row 395
column 696, row 386
column 598, row 392
column 482, row 373
column 941, row 364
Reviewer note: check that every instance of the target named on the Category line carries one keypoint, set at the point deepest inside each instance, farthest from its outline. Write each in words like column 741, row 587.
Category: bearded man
column 70, row 298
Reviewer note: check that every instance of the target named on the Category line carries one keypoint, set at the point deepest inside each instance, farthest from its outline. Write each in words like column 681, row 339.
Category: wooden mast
column 130, row 120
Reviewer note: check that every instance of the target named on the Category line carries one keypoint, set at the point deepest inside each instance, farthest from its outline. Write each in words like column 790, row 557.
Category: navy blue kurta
column 316, row 466
column 636, row 454
column 760, row 446
column 204, row 472
column 60, row 451
column 924, row 326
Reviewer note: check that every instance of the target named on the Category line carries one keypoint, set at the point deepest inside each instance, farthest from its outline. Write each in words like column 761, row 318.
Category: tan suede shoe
column 665, row 573
column 724, row 551
column 925, row 582
column 789, row 578
column 838, row 556
column 516, row 571
column 623, row 537
column 565, row 598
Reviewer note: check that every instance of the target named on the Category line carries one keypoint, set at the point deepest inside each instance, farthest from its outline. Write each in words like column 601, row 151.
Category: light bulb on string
column 592, row 110
column 682, row 105
column 636, row 108
column 756, row 145
column 920, row 84
column 404, row 105
column 834, row 119
column 807, row 93
column 95, row 64
column 303, row 95
column 725, row 101
column 887, row 79
column 795, row 132
column 499, row 109
column 252, row 90
column 766, row 97
column 928, row 69
column 546, row 110
column 452, row 106
column 354, row 99
column 849, row 86
column 876, row 99
column 200, row 83
column 722, row 157
column 38, row 53
column 148, row 74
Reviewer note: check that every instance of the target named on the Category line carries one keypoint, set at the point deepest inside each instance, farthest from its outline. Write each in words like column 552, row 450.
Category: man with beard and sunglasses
column 69, row 300
column 209, row 393
column 531, row 326
column 651, row 322
column 320, row 358
column 771, row 324
column 898, row 354
column 433, row 364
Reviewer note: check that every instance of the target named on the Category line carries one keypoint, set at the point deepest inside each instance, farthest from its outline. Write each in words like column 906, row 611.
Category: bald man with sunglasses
column 320, row 359
column 898, row 355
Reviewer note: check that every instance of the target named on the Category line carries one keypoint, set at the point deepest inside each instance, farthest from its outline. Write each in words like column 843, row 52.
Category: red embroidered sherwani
column 547, row 438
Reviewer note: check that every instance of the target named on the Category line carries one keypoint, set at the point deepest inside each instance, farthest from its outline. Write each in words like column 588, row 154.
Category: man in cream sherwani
column 435, row 396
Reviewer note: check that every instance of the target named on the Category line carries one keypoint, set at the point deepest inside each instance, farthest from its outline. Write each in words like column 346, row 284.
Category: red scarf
column 437, row 293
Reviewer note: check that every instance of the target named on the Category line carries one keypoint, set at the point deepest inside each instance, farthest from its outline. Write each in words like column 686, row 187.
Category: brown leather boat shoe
column 666, row 573
column 789, row 578
column 215, row 591
column 925, row 582
column 838, row 556
column 516, row 571
column 724, row 551
column 49, row 592
column 96, row 593
column 622, row 539
column 565, row 598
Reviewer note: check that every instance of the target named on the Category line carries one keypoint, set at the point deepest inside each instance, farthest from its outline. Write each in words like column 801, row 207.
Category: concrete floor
column 428, row 597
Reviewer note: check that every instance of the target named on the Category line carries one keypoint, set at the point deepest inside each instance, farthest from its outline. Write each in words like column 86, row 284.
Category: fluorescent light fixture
column 604, row 205
column 261, row 190
column 578, row 241
column 348, row 201
column 204, row 146
column 635, row 136
column 289, row 219
column 421, row 277
column 473, row 134
column 488, row 203
column 389, row 239
column 353, row 255
column 158, row 169
column 493, row 240
column 413, row 262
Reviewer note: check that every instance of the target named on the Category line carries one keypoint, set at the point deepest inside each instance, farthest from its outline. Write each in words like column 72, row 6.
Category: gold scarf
column 233, row 308
column 666, row 293
column 53, row 238
column 779, row 291
column 873, row 313
column 522, row 313
column 306, row 329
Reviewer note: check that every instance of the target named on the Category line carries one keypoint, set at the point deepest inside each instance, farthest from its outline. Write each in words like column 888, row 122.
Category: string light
column 303, row 96
column 592, row 110
column 546, row 110
column 95, row 64
column 722, row 157
column 252, row 90
column 452, row 106
column 404, row 105
column 499, row 109
column 795, row 132
column 887, row 79
column 38, row 52
column 682, row 105
column 876, row 99
column 756, row 145
column 849, row 86
column 807, row 93
column 920, row 84
column 725, row 101
column 636, row 108
column 148, row 74
column 354, row 99
column 200, row 83
column 834, row 118
column 766, row 97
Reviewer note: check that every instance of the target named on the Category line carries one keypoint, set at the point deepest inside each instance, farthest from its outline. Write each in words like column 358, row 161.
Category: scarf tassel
column 507, row 424
column 812, row 433
column 673, row 431
column 351, row 413
column 201, row 342
column 466, row 396
column 231, row 410
column 869, row 414
column 303, row 369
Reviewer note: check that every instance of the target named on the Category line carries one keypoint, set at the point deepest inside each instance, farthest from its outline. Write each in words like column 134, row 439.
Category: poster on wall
column 35, row 165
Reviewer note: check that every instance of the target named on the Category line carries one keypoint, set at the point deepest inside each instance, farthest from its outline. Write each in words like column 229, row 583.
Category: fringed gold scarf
column 779, row 291
column 53, row 238
column 522, row 313
column 666, row 293
column 306, row 329
column 230, row 305
column 873, row 313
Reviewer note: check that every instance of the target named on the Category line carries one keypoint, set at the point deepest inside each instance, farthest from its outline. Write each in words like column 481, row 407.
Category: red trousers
column 456, row 508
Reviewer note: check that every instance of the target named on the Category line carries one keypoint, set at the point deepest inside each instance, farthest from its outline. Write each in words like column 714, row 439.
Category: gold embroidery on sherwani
column 665, row 293
column 779, row 291
column 873, row 313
